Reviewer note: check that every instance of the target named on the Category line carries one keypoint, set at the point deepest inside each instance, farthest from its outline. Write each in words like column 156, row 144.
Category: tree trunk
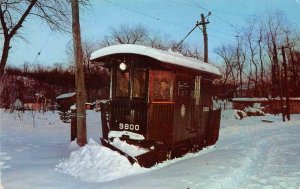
column 261, row 70
column 4, row 56
column 286, row 84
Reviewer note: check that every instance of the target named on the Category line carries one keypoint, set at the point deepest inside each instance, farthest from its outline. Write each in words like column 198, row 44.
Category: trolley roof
column 169, row 57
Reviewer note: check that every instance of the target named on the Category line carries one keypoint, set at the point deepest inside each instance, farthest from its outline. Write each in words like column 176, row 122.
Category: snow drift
column 94, row 162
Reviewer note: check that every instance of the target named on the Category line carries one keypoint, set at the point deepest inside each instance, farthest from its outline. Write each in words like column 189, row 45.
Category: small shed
column 66, row 100
column 18, row 105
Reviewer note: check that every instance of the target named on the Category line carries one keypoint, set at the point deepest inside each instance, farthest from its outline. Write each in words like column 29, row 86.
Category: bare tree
column 140, row 35
column 253, row 51
column 228, row 75
column 261, row 59
column 88, row 47
column 256, row 56
column 156, row 40
column 126, row 35
column 292, row 44
column 240, row 58
column 13, row 14
column 274, row 40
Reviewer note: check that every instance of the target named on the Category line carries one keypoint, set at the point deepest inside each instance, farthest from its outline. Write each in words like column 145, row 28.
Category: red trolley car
column 159, row 100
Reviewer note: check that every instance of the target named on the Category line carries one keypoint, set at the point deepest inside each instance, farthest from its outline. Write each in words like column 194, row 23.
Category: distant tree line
column 26, row 81
column 253, row 64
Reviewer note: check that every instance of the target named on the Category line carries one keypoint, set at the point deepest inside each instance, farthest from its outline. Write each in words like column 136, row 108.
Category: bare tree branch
column 13, row 13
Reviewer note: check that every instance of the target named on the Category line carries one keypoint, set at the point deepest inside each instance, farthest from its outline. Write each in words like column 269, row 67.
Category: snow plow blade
column 106, row 144
column 152, row 157
column 146, row 160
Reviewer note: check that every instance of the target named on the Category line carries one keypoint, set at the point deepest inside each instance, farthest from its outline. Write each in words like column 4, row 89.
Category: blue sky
column 173, row 18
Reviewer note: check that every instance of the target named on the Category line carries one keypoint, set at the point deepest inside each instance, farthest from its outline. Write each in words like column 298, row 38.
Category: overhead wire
column 200, row 28
column 42, row 47
column 165, row 21
column 231, row 25
column 146, row 15
column 233, row 13
column 191, row 4
column 227, row 22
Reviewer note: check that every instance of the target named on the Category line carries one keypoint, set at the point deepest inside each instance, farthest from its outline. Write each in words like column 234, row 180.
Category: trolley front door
column 183, row 101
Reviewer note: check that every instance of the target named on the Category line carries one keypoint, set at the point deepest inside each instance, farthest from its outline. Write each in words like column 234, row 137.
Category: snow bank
column 252, row 111
column 97, row 163
column 233, row 114
column 73, row 145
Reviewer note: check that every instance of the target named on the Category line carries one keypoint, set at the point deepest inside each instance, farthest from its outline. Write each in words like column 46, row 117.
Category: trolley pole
column 79, row 76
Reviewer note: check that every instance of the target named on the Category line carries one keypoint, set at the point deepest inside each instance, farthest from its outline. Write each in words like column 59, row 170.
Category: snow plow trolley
column 159, row 101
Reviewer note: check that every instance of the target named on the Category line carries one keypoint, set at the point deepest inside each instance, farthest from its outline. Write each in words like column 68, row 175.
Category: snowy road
column 269, row 155
column 249, row 154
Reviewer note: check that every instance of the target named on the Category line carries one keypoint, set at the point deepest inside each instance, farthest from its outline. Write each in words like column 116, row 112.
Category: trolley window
column 139, row 83
column 122, row 84
column 161, row 83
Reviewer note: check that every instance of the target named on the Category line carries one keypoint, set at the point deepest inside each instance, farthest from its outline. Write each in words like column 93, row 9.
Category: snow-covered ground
column 250, row 153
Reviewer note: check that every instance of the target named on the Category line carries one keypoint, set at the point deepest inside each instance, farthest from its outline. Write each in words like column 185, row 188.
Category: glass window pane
column 122, row 84
column 139, row 82
column 162, row 82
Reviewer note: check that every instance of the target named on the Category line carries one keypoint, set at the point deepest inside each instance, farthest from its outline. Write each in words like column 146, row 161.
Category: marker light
column 123, row 66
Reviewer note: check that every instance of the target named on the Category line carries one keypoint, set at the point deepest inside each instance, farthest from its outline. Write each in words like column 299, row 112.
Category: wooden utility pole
column 205, row 38
column 79, row 76
column 203, row 23
column 286, row 83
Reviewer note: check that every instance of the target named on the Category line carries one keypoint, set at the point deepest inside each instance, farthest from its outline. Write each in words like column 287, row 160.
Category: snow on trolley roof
column 163, row 56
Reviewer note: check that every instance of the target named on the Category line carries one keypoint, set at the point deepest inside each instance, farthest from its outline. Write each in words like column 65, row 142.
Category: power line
column 40, row 51
column 231, row 25
column 171, row 23
column 233, row 13
column 146, row 15
column 186, row 4
column 180, row 26
column 221, row 38
column 219, row 31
